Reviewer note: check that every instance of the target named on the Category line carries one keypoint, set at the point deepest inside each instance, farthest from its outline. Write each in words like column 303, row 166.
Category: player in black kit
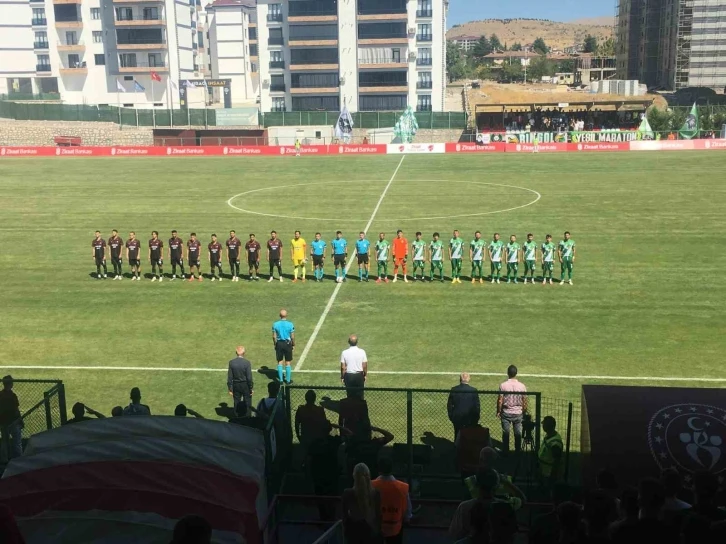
column 99, row 254
column 156, row 246
column 176, row 254
column 233, row 244
column 116, row 244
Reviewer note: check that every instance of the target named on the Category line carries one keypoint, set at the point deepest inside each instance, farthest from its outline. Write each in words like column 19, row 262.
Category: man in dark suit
column 239, row 378
column 463, row 406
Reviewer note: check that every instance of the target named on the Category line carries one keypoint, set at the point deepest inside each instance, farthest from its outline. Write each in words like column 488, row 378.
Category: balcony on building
column 425, row 84
column 276, row 37
column 382, row 10
column 315, row 83
column 424, row 37
column 140, row 38
column 313, row 35
column 39, row 21
column 73, row 65
column 68, row 16
column 42, row 44
column 382, row 33
column 379, row 58
column 42, row 68
column 277, row 87
column 63, row 2
column 71, row 44
column 274, row 17
column 379, row 82
column 424, row 13
column 316, row 103
column 424, row 61
column 382, row 102
column 308, row 11
column 130, row 65
column 424, row 107
column 277, row 65
column 139, row 16
column 314, row 59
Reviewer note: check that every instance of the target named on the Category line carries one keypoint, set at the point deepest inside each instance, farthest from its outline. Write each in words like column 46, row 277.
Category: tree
column 590, row 45
column 512, row 72
column 540, row 46
column 606, row 48
column 495, row 43
column 481, row 49
column 540, row 67
column 456, row 62
column 565, row 66
column 516, row 46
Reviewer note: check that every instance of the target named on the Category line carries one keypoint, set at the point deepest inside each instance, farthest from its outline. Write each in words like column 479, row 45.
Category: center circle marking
column 480, row 183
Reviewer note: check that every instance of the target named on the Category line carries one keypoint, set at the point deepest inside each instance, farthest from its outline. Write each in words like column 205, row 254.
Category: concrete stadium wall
column 41, row 133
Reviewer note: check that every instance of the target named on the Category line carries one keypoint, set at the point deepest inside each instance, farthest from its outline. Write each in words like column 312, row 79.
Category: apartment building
column 99, row 52
column 465, row 42
column 370, row 55
column 672, row 44
column 232, row 47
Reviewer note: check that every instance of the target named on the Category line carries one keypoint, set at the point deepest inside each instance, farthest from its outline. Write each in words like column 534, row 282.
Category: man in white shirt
column 353, row 366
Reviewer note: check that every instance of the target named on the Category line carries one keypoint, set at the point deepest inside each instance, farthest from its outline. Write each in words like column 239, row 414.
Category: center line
column 329, row 305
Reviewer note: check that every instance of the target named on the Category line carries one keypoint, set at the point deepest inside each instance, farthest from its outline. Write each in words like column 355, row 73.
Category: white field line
column 380, row 372
column 332, row 298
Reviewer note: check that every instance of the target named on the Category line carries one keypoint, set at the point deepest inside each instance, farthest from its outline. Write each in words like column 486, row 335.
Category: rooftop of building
column 231, row 3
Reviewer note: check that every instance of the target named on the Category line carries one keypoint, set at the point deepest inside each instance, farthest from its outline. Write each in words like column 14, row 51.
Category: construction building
column 672, row 44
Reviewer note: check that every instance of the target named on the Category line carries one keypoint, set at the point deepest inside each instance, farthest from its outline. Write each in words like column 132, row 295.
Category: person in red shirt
column 400, row 255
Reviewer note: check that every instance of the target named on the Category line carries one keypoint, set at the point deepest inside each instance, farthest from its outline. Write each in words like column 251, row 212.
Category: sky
column 461, row 11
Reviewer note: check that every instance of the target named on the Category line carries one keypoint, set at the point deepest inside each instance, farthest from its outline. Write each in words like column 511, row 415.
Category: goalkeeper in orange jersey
column 400, row 255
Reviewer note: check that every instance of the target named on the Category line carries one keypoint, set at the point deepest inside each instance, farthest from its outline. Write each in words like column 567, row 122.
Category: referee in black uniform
column 239, row 379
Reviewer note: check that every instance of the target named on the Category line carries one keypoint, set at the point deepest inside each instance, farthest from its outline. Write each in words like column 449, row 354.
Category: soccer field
column 646, row 307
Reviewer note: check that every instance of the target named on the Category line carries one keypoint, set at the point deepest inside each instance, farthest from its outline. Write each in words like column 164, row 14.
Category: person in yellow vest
column 395, row 502
column 550, row 456
column 507, row 490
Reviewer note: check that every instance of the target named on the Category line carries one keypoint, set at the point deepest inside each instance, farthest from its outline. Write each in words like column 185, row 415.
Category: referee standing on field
column 354, row 366
column 283, row 338
column 239, row 379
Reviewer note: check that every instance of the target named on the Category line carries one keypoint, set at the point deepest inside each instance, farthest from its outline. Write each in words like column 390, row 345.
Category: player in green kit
column 496, row 248
column 566, row 252
column 456, row 250
column 419, row 256
column 383, row 247
column 548, row 259
column 477, row 247
column 529, row 248
column 513, row 258
column 436, row 256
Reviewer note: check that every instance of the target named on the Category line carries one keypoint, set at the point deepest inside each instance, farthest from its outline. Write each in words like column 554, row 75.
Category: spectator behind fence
column 10, row 421
column 311, row 422
column 545, row 529
column 511, row 405
column 182, row 411
column 395, row 502
column 117, row 411
column 353, row 415
column 463, row 405
column 362, row 509
column 367, row 451
column 192, row 530
column 135, row 408
column 79, row 410
column 488, row 482
column 240, row 384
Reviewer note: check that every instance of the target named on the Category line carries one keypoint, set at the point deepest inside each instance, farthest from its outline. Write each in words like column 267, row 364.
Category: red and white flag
column 155, row 76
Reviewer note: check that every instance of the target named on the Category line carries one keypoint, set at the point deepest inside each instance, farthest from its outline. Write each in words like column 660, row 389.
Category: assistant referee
column 283, row 338
column 354, row 366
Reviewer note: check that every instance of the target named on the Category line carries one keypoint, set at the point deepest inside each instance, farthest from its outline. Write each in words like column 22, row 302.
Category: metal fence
column 43, row 407
column 207, row 117
column 30, row 96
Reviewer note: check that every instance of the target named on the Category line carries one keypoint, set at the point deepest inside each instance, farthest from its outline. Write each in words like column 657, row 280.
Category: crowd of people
column 558, row 120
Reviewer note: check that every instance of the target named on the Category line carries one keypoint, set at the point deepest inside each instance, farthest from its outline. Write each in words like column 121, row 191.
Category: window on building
column 423, row 102
column 128, row 78
column 424, row 8
column 424, row 80
column 382, row 102
column 425, row 32
column 276, row 56
column 315, row 103
column 253, row 33
column 156, row 60
column 97, row 36
column 41, row 40
column 43, row 60
column 124, row 14
column 71, row 38
column 39, row 16
column 278, row 103
column 74, row 61
column 253, row 67
column 423, row 56
column 253, row 50
column 274, row 9
column 99, row 60
column 127, row 60
column 95, row 13
column 396, row 54
column 276, row 37
column 302, row 81
column 151, row 14
column 277, row 83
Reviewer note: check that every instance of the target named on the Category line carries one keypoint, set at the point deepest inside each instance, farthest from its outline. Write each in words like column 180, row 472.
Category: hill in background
column 555, row 35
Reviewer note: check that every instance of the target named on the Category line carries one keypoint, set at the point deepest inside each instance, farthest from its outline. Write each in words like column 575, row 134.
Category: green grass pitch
column 647, row 301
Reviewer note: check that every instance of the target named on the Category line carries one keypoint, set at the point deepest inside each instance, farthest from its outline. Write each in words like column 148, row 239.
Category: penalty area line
column 380, row 372
column 332, row 298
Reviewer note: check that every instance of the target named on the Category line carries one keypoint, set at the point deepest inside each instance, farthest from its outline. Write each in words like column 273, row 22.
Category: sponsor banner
column 600, row 146
column 136, row 151
column 554, row 147
column 525, row 137
column 662, row 145
column 367, row 149
column 709, row 144
column 467, row 147
column 397, row 149
column 26, row 151
column 604, row 136
column 248, row 150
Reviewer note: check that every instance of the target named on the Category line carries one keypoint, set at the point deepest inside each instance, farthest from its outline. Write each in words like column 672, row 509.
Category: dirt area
column 513, row 93
column 453, row 100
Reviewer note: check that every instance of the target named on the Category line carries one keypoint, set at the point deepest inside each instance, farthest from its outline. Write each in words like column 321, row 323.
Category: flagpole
column 118, row 104
column 169, row 101
column 153, row 111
